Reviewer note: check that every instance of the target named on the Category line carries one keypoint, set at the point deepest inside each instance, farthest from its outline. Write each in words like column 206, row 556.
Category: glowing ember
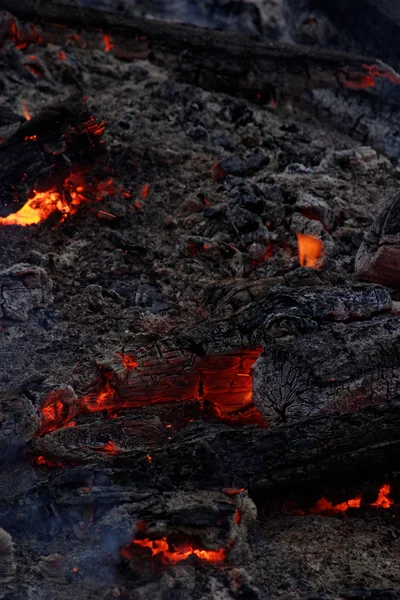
column 162, row 548
column 110, row 448
column 108, row 45
column 310, row 251
column 25, row 111
column 145, row 191
column 43, row 204
column 128, row 361
column 383, row 501
column 41, row 461
column 325, row 507
column 223, row 382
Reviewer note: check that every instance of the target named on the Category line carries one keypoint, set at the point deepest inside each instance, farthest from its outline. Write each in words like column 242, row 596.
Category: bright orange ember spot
column 67, row 201
column 323, row 506
column 162, row 548
column 129, row 362
column 108, row 45
column 110, row 448
column 383, row 501
column 310, row 251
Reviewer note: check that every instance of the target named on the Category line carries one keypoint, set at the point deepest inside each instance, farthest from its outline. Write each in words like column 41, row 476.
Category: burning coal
column 170, row 553
column 222, row 382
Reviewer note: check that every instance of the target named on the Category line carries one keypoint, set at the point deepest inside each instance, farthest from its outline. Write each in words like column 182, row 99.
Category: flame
column 162, row 548
column 223, row 382
column 310, row 250
column 383, row 501
column 42, row 204
column 108, row 45
column 25, row 110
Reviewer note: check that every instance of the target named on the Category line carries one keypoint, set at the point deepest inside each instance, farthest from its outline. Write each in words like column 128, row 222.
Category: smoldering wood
column 222, row 61
column 41, row 153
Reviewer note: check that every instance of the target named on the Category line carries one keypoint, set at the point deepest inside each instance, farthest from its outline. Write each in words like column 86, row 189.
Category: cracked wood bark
column 42, row 152
column 217, row 60
column 341, row 367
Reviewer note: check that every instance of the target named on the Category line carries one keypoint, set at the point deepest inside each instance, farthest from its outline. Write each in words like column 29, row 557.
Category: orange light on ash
column 383, row 501
column 182, row 552
column 108, row 45
column 310, row 251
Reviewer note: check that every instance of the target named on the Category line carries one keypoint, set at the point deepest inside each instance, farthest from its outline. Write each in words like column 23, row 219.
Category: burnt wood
column 222, row 61
column 319, row 449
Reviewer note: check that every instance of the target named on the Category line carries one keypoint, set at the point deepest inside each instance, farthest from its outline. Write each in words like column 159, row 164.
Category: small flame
column 25, row 110
column 162, row 548
column 383, row 501
column 310, row 251
column 108, row 45
column 41, row 461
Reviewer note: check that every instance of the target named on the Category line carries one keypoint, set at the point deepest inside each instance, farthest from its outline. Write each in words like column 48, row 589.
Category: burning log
column 222, row 61
column 52, row 567
column 45, row 158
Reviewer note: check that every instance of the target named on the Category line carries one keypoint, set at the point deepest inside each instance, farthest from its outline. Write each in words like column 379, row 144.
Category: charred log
column 348, row 446
column 222, row 61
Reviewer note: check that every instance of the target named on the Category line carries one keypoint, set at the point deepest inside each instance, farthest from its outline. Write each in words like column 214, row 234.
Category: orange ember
column 325, row 507
column 108, row 45
column 25, row 111
column 383, row 501
column 310, row 251
column 224, row 383
column 110, row 448
column 182, row 552
column 41, row 461
column 128, row 361
column 145, row 191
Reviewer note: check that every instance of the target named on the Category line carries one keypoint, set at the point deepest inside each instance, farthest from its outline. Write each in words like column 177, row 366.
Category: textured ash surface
column 148, row 270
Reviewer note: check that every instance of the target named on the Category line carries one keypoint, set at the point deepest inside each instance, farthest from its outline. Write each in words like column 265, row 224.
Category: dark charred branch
column 320, row 449
column 222, row 61
column 44, row 151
